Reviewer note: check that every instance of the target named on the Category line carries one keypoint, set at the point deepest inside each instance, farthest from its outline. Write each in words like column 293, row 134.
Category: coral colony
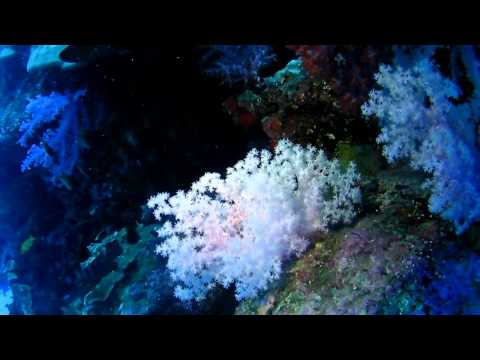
column 234, row 230
column 248, row 179
column 58, row 149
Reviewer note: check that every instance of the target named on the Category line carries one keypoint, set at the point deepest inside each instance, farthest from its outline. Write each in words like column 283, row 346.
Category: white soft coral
column 419, row 122
column 241, row 229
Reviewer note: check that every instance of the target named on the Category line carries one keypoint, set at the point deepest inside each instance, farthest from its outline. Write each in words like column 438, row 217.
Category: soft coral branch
column 55, row 121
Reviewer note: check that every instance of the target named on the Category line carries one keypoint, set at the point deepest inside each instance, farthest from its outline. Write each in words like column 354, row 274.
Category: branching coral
column 236, row 64
column 420, row 123
column 240, row 230
column 58, row 148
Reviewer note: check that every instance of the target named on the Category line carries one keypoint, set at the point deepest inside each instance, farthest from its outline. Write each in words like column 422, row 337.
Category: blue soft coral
column 437, row 136
column 237, row 63
column 59, row 117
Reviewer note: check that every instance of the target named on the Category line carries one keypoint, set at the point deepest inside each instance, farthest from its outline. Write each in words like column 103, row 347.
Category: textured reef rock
column 356, row 269
column 348, row 70
column 117, row 281
column 293, row 105
column 42, row 56
column 122, row 277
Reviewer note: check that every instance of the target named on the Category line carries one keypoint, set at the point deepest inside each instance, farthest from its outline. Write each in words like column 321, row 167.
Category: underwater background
column 239, row 179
